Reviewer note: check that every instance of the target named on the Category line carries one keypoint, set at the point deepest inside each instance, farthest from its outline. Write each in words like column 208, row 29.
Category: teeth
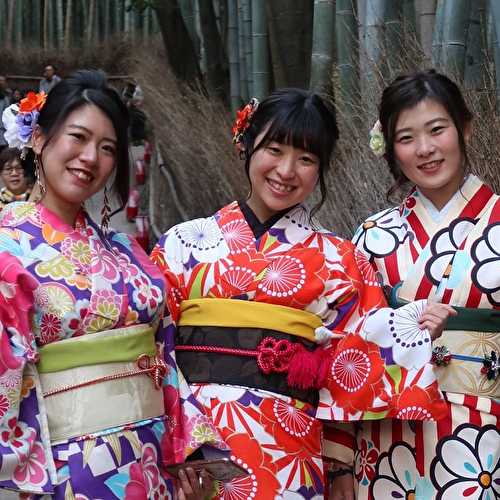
column 280, row 187
column 431, row 165
column 82, row 175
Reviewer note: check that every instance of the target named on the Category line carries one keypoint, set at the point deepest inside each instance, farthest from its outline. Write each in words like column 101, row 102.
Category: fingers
column 190, row 484
column 434, row 318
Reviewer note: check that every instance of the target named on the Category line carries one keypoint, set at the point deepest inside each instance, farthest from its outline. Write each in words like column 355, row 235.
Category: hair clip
column 242, row 121
column 377, row 141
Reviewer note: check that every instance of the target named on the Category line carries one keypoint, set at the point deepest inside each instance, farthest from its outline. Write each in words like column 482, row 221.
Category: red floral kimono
column 274, row 326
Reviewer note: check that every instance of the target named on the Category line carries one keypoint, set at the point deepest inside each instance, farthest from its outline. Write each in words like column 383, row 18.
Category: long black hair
column 82, row 88
column 405, row 92
column 298, row 118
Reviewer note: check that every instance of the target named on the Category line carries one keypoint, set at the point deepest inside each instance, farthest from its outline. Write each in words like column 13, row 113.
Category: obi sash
column 101, row 381
column 460, row 366
column 245, row 343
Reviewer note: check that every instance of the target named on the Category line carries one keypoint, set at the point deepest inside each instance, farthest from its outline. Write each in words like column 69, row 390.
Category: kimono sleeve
column 24, row 445
column 380, row 362
column 192, row 428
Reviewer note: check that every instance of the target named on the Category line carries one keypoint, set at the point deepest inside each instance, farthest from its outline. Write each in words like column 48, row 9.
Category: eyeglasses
column 12, row 170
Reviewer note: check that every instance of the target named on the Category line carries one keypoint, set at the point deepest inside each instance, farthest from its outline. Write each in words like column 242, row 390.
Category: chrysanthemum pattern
column 467, row 464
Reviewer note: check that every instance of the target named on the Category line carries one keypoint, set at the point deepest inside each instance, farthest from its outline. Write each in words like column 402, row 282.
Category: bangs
column 301, row 128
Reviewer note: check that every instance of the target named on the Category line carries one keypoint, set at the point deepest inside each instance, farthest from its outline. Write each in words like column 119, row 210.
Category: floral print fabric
column 456, row 260
column 294, row 265
column 59, row 282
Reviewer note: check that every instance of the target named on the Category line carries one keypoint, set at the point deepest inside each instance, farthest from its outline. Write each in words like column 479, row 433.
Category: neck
column 440, row 197
column 262, row 212
column 65, row 211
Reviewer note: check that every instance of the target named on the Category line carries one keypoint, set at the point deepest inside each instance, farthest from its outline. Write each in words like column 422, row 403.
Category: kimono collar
column 7, row 196
column 57, row 223
column 259, row 228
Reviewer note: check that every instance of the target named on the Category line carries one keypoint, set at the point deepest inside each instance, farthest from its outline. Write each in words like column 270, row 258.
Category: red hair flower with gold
column 242, row 121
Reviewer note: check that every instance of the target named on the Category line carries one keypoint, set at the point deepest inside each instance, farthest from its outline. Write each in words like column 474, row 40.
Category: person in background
column 49, row 79
column 17, row 95
column 89, row 394
column 16, row 175
column 441, row 243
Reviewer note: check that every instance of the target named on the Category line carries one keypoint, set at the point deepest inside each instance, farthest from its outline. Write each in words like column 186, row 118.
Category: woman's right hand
column 194, row 486
column 434, row 318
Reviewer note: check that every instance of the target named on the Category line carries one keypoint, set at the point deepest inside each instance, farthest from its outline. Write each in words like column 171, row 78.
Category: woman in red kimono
column 271, row 312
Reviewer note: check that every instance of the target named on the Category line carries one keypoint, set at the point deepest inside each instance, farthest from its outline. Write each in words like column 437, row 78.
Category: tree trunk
column 323, row 46
column 474, row 57
column 233, row 55
column 19, row 25
column 455, row 25
column 91, row 22
column 178, row 45
column 189, row 16
column 426, row 18
column 346, row 30
column 260, row 50
column 408, row 20
column 107, row 20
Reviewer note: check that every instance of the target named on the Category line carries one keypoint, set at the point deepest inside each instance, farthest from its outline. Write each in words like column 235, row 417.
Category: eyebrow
column 426, row 124
column 81, row 127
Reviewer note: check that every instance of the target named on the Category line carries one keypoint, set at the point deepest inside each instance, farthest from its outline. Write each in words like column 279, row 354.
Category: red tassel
column 308, row 369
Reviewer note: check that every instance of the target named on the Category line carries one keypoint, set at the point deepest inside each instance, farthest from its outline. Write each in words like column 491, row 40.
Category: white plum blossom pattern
column 381, row 234
column 399, row 330
column 444, row 246
column 467, row 464
column 396, row 476
column 486, row 255
column 200, row 239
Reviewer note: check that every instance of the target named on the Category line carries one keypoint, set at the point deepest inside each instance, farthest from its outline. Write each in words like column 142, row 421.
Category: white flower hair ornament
column 377, row 141
column 20, row 120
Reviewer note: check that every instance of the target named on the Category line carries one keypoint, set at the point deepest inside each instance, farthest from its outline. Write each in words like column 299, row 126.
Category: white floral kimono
column 454, row 256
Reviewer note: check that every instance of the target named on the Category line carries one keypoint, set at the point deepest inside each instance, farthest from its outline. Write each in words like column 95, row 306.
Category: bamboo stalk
column 241, row 50
column 426, row 19
column 455, row 27
column 495, row 16
column 260, row 50
column 233, row 55
column 323, row 47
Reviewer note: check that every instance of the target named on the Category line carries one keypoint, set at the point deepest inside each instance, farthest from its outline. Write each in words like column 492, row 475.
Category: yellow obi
column 101, row 381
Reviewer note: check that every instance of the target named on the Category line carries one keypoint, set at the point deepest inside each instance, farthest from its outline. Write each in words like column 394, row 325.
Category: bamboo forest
column 198, row 61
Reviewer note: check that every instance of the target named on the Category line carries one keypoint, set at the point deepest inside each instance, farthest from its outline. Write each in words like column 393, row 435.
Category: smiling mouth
column 430, row 165
column 282, row 188
column 81, row 175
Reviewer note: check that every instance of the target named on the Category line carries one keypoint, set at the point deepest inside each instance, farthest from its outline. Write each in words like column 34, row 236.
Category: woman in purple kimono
column 90, row 401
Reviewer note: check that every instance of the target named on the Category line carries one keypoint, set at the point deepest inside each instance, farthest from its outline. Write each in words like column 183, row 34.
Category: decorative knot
column 155, row 367
column 441, row 356
column 491, row 366
column 275, row 355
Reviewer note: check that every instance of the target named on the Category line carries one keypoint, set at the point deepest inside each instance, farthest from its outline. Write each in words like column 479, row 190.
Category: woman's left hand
column 194, row 486
column 434, row 318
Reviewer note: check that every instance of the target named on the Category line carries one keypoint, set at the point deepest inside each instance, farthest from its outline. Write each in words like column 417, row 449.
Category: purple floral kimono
column 59, row 282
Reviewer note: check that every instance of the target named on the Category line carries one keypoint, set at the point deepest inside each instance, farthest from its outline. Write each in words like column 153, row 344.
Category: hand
column 342, row 488
column 194, row 486
column 434, row 318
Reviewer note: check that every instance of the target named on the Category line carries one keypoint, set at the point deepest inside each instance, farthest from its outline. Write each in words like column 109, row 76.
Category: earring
column 38, row 169
column 105, row 212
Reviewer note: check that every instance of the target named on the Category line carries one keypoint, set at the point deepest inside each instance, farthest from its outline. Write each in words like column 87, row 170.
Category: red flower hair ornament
column 243, row 117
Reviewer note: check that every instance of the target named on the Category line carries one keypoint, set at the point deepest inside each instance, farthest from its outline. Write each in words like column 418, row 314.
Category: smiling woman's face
column 78, row 161
column 281, row 176
column 427, row 150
